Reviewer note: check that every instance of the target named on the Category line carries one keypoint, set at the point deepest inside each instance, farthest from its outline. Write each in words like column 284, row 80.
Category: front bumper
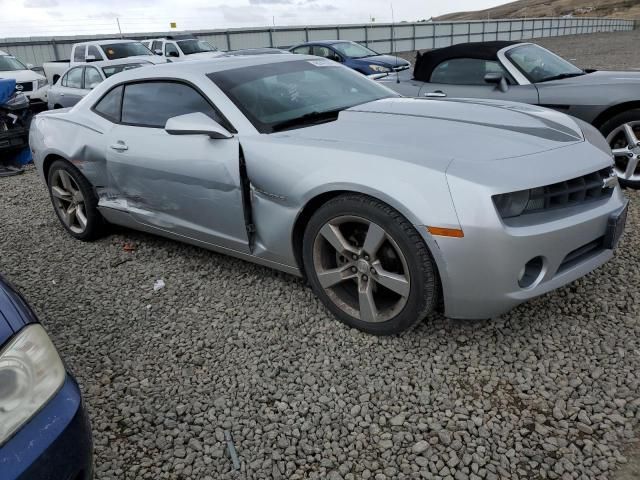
column 55, row 444
column 13, row 140
column 481, row 272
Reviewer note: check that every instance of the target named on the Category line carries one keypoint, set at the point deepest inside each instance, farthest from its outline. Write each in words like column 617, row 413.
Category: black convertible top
column 428, row 60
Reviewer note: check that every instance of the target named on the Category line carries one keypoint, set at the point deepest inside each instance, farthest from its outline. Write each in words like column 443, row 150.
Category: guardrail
column 382, row 37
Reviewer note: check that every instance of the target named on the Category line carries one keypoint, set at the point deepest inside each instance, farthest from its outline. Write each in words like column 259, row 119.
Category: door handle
column 61, row 94
column 436, row 94
column 119, row 147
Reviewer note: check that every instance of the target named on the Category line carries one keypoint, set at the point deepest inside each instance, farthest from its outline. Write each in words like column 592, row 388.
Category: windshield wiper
column 310, row 118
column 561, row 76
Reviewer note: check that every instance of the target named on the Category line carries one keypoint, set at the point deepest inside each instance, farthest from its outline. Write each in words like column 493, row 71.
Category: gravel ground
column 550, row 390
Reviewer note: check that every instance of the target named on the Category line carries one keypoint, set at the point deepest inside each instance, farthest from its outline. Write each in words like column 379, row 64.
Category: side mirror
column 196, row 124
column 157, row 51
column 498, row 80
column 173, row 54
column 30, row 66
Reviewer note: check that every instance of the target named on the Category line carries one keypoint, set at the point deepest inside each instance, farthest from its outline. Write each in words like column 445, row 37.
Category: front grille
column 581, row 254
column 26, row 86
column 571, row 192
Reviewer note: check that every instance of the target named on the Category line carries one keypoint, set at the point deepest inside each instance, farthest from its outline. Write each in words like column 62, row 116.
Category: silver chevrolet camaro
column 389, row 206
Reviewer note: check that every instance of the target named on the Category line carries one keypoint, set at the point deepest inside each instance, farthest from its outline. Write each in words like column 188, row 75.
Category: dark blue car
column 353, row 55
column 44, row 429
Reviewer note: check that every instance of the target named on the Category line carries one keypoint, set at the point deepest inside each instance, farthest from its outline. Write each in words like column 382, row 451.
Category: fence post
column 228, row 37
column 414, row 37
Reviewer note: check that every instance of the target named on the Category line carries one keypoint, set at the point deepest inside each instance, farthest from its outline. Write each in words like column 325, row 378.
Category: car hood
column 14, row 312
column 384, row 60
column 203, row 55
column 155, row 59
column 604, row 78
column 21, row 75
column 424, row 130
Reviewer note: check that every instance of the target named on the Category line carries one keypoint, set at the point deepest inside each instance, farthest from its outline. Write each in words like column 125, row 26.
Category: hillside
column 554, row 8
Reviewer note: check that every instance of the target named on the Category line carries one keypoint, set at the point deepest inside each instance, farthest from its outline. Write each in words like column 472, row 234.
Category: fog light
column 531, row 272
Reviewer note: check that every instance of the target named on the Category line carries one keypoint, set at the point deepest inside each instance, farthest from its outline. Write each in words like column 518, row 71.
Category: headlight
column 511, row 204
column 41, row 83
column 31, row 372
column 594, row 137
column 379, row 68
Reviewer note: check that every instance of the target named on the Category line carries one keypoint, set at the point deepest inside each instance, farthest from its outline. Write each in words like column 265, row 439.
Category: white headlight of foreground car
column 41, row 83
column 31, row 372
column 379, row 68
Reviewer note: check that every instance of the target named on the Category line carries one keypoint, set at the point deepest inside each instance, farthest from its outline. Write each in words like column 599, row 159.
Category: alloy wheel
column 361, row 268
column 69, row 201
column 625, row 144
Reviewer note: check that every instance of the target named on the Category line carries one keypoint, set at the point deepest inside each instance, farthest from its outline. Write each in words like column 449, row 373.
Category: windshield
column 189, row 47
column 113, row 69
column 275, row 93
column 114, row 51
column 10, row 64
column 353, row 50
column 540, row 65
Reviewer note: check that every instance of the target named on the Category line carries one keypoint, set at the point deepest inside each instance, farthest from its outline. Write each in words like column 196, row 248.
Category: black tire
column 423, row 278
column 95, row 223
column 615, row 122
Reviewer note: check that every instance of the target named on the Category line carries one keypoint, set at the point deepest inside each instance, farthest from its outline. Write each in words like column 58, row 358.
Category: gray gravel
column 551, row 390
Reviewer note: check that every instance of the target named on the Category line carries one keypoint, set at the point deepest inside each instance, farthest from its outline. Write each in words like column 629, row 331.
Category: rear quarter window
column 110, row 106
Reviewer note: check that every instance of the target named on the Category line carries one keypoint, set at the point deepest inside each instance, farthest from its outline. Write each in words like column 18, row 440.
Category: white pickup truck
column 98, row 51
column 32, row 84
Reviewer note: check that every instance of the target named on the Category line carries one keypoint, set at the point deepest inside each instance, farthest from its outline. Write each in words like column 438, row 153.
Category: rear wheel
column 369, row 265
column 623, row 135
column 74, row 202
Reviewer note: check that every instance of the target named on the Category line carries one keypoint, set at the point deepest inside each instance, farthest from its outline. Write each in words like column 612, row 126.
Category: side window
column 78, row 53
column 306, row 50
column 93, row 50
column 326, row 52
column 109, row 106
column 151, row 104
column 92, row 78
column 156, row 45
column 170, row 50
column 321, row 51
column 465, row 71
column 74, row 78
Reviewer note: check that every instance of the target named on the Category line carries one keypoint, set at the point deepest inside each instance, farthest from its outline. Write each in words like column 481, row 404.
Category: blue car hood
column 14, row 312
column 384, row 60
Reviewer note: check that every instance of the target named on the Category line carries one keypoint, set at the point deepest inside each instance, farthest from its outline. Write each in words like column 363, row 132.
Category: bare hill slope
column 554, row 8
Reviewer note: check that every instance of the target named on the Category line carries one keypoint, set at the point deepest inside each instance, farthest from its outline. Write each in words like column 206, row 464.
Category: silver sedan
column 78, row 81
column 389, row 206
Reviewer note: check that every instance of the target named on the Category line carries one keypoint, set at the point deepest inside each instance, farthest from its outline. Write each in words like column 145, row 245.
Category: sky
column 21, row 18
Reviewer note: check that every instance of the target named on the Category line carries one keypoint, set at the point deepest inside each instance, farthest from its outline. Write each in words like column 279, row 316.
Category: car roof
column 107, row 42
column 256, row 51
column 2, row 52
column 324, row 42
column 205, row 67
column 427, row 61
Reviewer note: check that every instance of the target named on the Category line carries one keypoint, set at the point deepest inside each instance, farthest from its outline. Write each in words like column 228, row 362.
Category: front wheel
column 74, row 202
column 369, row 265
column 623, row 135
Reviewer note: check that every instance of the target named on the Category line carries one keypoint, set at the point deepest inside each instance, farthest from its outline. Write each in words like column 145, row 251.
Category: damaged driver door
column 185, row 179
